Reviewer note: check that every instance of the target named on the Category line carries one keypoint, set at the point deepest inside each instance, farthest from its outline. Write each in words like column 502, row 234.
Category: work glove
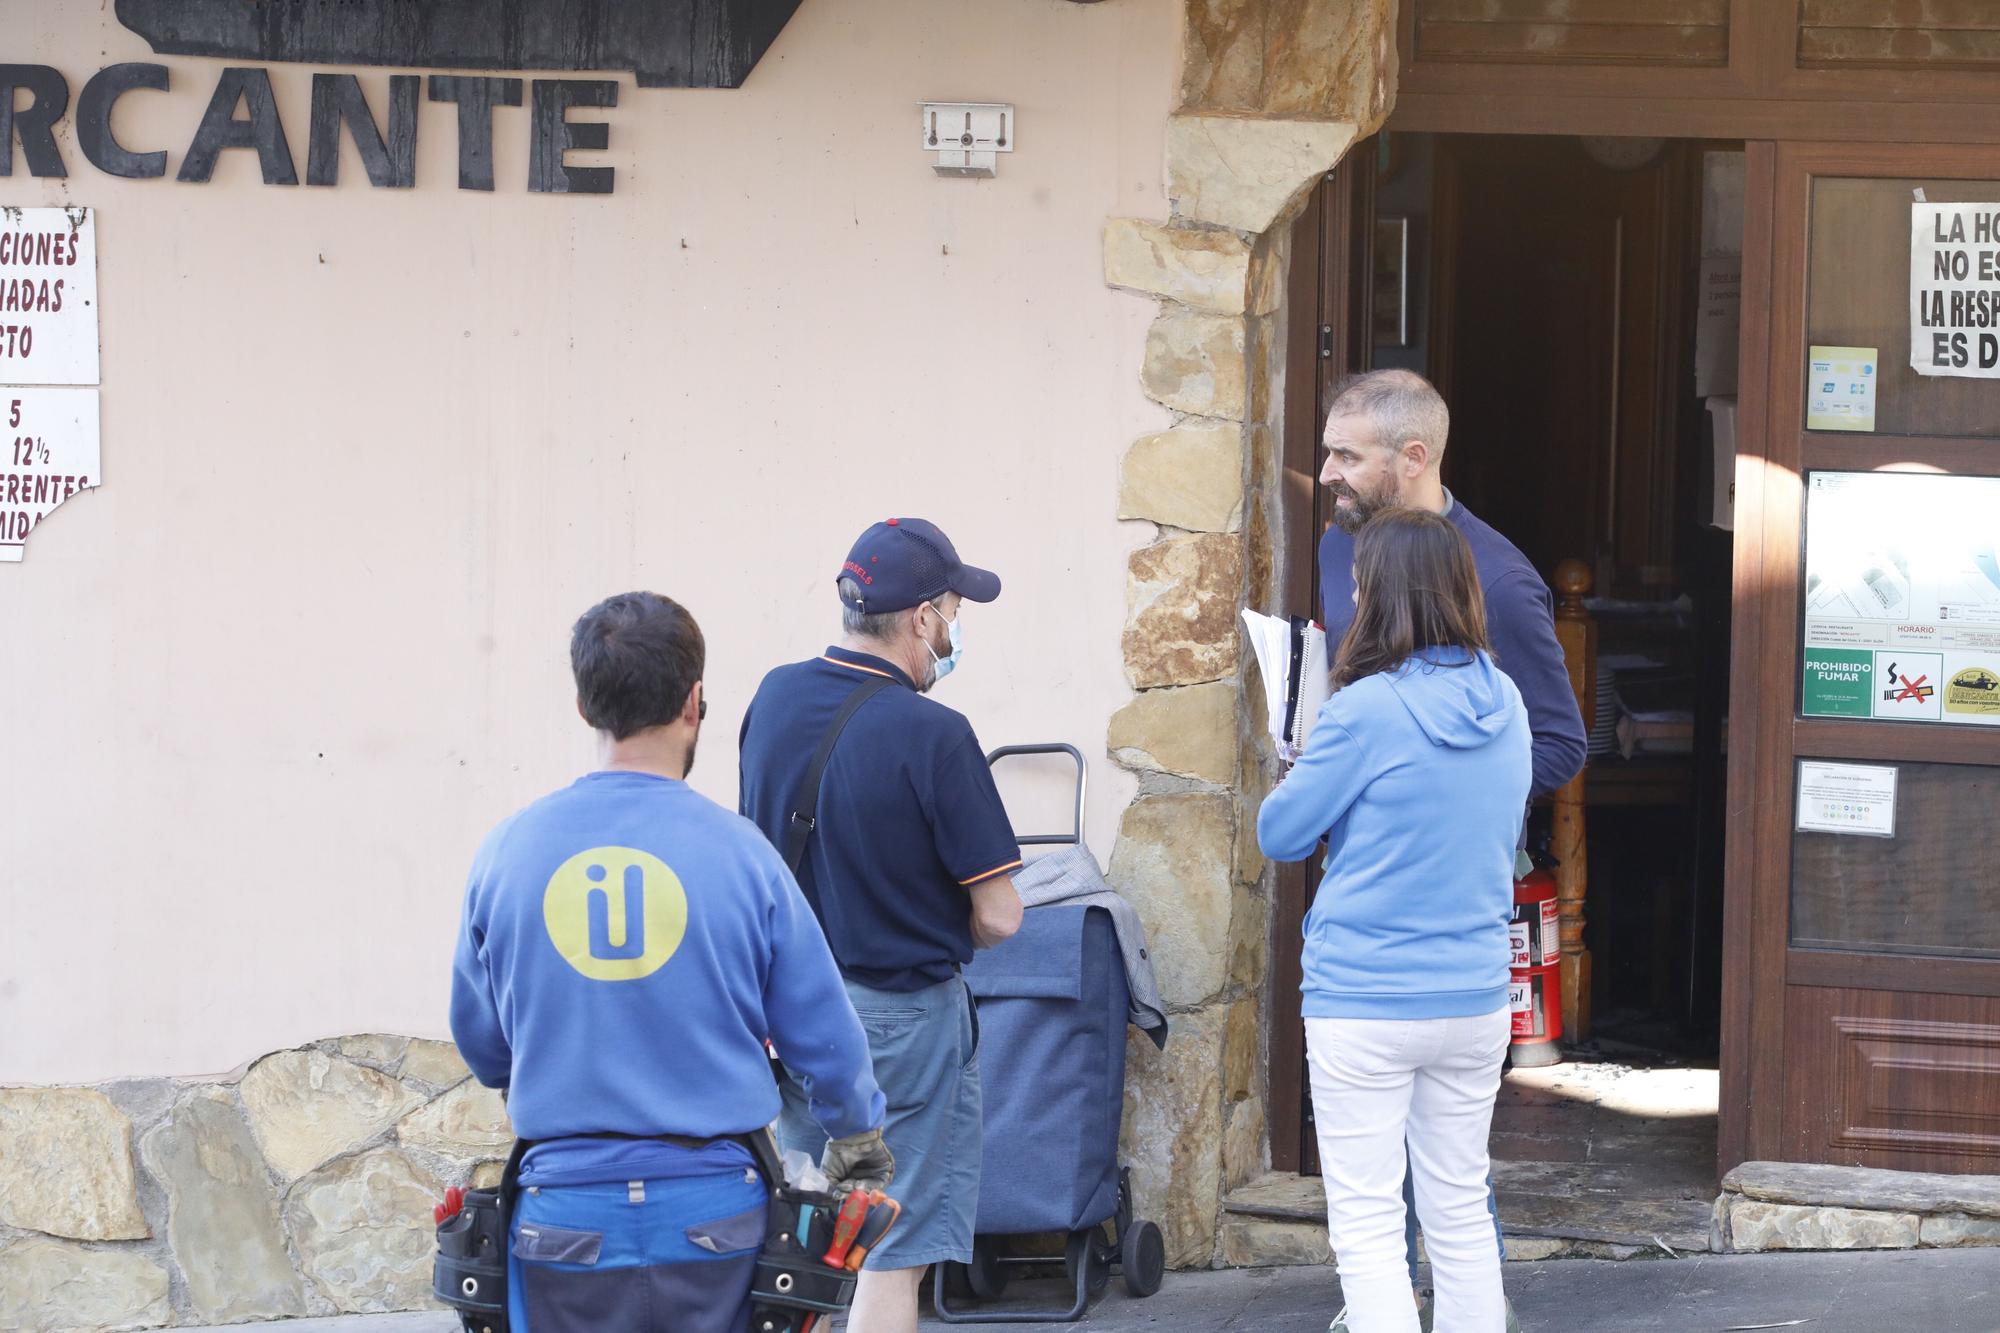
column 859, row 1161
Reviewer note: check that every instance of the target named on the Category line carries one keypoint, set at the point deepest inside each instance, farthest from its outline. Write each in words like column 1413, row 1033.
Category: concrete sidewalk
column 1894, row 1291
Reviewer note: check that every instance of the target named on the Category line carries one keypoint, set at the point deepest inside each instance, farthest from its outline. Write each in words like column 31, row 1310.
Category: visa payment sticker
column 1840, row 388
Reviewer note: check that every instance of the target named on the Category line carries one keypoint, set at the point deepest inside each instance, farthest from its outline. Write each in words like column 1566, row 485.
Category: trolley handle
column 1082, row 783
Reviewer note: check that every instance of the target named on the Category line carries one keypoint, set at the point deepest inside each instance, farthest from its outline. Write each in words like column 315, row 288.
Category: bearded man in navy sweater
column 1385, row 438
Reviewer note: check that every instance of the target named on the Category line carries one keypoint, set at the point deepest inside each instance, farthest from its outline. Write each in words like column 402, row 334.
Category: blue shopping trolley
column 1053, row 1007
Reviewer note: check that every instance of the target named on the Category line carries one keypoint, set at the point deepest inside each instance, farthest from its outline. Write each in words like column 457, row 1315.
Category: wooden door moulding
column 1675, row 56
column 1891, row 742
column 1916, row 974
column 1864, row 453
column 1684, row 113
column 1328, row 311
column 1287, row 1082
column 1746, row 1068
column 1916, row 1079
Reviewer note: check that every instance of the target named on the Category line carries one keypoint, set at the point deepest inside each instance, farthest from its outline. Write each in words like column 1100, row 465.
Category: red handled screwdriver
column 882, row 1215
column 845, row 1227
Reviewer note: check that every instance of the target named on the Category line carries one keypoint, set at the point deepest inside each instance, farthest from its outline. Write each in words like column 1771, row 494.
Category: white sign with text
column 48, row 296
column 1955, row 289
column 48, row 452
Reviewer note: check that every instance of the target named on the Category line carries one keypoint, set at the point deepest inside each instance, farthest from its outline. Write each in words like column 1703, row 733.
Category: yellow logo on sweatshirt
column 615, row 913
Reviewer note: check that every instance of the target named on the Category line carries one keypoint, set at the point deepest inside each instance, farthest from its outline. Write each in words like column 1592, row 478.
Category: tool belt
column 792, row 1288
column 470, row 1274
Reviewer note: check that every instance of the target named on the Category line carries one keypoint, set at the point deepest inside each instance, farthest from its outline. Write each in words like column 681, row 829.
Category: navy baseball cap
column 901, row 562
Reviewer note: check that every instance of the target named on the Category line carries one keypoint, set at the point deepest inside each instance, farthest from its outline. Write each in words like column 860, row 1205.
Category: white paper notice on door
column 1955, row 289
column 1858, row 799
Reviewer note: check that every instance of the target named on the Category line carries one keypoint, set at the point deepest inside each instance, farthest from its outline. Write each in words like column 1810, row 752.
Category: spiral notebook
column 1291, row 656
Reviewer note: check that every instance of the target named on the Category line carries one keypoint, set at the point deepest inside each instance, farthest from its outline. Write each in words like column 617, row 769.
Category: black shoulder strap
column 805, row 801
column 510, row 1175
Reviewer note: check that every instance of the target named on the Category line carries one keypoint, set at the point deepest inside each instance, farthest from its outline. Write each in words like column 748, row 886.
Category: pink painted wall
column 368, row 453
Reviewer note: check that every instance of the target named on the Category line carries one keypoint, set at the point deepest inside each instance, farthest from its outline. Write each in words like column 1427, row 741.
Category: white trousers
column 1378, row 1084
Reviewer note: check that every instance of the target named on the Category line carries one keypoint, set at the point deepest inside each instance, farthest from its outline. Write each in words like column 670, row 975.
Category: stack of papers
column 1291, row 656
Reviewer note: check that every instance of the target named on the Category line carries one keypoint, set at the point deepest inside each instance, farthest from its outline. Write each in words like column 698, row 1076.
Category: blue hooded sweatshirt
column 1417, row 779
column 627, row 947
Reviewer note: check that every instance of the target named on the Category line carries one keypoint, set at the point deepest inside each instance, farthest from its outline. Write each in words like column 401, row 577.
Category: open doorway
column 1575, row 302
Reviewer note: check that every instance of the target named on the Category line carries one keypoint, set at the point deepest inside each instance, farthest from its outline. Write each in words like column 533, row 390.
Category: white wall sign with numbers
column 48, row 452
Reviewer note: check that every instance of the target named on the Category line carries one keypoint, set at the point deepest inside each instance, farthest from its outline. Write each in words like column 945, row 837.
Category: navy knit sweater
column 1520, row 620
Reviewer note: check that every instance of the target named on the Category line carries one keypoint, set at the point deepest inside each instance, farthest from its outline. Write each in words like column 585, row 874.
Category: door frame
column 1329, row 306
column 1774, row 454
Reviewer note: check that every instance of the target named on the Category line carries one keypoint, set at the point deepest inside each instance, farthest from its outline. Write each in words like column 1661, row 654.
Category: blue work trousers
column 649, row 1256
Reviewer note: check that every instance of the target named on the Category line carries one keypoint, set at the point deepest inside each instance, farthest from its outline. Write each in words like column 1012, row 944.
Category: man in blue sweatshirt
column 1385, row 440
column 627, row 947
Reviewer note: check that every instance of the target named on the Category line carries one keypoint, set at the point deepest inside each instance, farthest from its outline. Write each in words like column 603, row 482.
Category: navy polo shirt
column 908, row 818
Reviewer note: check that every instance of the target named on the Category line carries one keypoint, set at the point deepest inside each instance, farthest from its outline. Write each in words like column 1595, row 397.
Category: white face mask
column 944, row 666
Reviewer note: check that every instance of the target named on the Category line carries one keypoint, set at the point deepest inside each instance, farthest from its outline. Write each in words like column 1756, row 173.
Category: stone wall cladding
column 302, row 1187
column 1291, row 59
column 1185, row 853
column 1273, row 93
column 1804, row 1206
column 94, row 1196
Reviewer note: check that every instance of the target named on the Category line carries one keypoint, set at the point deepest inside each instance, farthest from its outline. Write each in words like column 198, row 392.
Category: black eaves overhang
column 665, row 43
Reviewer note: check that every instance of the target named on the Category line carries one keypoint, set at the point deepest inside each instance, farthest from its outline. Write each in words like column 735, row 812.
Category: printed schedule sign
column 1902, row 598
column 48, row 296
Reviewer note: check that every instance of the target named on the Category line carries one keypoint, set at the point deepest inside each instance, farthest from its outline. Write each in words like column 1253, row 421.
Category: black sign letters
column 243, row 113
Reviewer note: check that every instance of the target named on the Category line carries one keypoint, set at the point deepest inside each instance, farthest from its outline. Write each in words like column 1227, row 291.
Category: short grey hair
column 1401, row 405
column 880, row 625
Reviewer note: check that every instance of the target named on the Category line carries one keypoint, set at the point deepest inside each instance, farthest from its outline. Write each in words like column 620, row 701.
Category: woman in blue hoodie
column 1416, row 776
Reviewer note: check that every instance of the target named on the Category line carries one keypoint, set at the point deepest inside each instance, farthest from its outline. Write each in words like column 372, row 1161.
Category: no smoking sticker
column 1908, row 687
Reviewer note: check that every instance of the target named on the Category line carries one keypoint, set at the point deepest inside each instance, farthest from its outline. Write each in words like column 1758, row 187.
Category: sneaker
column 1339, row 1324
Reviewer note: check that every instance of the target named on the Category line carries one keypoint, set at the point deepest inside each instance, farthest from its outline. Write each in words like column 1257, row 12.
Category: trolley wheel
column 1144, row 1259
column 986, row 1276
column 1088, row 1247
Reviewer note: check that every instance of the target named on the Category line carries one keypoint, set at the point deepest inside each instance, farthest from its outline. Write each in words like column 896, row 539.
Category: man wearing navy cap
column 907, row 859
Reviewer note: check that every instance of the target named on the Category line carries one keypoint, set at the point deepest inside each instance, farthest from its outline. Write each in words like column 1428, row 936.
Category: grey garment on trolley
column 1070, row 876
column 925, row 1045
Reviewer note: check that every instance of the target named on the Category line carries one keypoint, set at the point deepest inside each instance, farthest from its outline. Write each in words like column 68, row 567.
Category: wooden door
column 1862, row 972
column 1329, row 313
column 1563, row 358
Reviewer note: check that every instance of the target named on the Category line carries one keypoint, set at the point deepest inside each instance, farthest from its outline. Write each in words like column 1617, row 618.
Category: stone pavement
column 1907, row 1291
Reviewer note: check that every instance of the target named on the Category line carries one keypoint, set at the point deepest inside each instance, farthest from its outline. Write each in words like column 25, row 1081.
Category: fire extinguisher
column 1534, row 982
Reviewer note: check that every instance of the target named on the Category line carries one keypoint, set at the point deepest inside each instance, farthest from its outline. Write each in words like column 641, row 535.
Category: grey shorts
column 925, row 1045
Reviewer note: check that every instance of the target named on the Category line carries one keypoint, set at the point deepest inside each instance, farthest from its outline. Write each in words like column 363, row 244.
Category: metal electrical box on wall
column 968, row 136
